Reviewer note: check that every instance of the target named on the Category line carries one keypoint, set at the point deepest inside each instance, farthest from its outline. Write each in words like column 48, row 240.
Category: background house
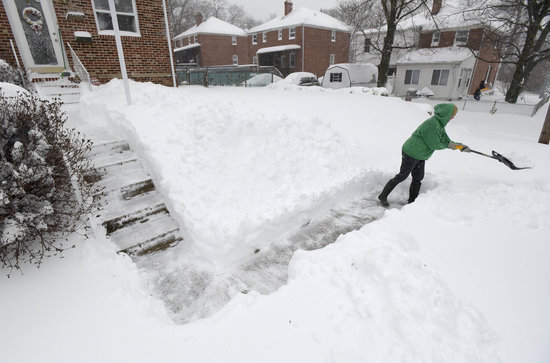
column 450, row 54
column 40, row 37
column 302, row 40
column 211, row 43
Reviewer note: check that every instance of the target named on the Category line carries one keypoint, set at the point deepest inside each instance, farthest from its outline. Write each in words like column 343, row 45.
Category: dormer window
column 461, row 37
column 435, row 39
column 292, row 33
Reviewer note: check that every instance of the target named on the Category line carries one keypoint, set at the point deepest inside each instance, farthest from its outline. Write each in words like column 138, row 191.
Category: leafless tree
column 522, row 27
column 384, row 16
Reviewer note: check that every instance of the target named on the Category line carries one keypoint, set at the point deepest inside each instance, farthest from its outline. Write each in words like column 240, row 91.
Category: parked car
column 309, row 81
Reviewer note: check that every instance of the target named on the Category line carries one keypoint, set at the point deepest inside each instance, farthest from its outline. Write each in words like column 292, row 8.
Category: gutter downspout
column 303, row 46
column 169, row 43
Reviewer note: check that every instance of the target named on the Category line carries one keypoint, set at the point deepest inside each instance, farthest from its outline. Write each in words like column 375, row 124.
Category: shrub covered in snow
column 9, row 74
column 43, row 196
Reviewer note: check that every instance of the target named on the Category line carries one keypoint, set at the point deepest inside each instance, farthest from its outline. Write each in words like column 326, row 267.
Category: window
column 126, row 15
column 264, row 37
column 497, row 41
column 292, row 33
column 412, row 76
column 391, row 71
column 435, row 39
column 234, row 40
column 255, row 59
column 280, row 34
column 461, row 37
column 366, row 46
column 292, row 60
column 235, row 59
column 189, row 40
column 331, row 61
column 254, row 39
column 195, row 38
column 333, row 36
column 336, row 77
column 440, row 77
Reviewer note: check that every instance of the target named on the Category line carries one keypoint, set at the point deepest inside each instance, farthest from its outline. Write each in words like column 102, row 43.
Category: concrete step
column 159, row 243
column 129, row 219
column 122, row 175
column 115, row 205
column 144, row 231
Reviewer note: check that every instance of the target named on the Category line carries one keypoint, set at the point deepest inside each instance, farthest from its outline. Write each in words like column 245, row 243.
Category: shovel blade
column 507, row 162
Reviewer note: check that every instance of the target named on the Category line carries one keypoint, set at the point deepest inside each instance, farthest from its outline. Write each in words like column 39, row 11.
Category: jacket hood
column 443, row 112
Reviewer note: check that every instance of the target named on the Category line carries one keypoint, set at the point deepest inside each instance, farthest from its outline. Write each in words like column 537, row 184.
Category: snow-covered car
column 296, row 77
column 309, row 81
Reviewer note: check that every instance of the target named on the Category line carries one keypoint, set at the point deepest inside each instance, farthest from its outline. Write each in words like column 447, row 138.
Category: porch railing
column 79, row 68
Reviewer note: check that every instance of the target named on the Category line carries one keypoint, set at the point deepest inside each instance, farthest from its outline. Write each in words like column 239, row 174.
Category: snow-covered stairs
column 134, row 213
column 56, row 87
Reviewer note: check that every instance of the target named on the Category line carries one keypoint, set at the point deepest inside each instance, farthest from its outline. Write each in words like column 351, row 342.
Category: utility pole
column 545, row 133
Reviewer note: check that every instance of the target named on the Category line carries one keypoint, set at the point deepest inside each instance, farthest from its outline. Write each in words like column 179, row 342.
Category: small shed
column 345, row 75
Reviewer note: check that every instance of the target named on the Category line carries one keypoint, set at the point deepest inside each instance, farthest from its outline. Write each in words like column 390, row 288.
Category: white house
column 445, row 71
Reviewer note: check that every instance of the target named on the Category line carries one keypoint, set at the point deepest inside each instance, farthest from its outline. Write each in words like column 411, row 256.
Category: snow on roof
column 436, row 55
column 212, row 25
column 194, row 45
column 278, row 48
column 302, row 16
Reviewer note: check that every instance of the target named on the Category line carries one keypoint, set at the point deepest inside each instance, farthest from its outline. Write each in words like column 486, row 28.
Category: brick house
column 210, row 43
column 302, row 40
column 41, row 30
column 444, row 60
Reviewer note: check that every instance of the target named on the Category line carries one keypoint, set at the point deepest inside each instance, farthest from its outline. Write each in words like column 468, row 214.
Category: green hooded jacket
column 430, row 135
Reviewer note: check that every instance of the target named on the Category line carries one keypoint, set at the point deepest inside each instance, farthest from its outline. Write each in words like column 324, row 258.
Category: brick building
column 210, row 43
column 302, row 40
column 41, row 30
column 451, row 59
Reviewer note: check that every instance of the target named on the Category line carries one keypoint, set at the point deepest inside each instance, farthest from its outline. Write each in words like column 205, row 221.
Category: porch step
column 54, row 87
column 134, row 216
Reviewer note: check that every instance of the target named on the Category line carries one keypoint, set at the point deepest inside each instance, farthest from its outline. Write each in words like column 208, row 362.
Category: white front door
column 464, row 81
column 34, row 26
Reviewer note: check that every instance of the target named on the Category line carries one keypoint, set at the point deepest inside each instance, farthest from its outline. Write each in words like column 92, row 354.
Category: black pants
column 410, row 166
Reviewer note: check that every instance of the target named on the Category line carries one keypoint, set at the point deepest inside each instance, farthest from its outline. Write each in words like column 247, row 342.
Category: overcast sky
column 262, row 9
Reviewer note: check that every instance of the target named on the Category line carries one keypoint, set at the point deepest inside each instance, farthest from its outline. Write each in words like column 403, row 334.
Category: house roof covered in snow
column 212, row 25
column 436, row 55
column 302, row 16
column 190, row 46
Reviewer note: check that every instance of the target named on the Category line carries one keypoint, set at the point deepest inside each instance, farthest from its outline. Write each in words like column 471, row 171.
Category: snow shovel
column 502, row 159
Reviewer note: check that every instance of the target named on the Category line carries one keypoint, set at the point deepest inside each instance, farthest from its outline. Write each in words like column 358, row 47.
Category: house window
column 333, row 36
column 195, row 38
column 254, row 39
column 440, row 77
column 412, row 76
column 292, row 60
column 497, row 40
column 366, row 46
column 126, row 15
column 331, row 61
column 235, row 59
column 336, row 77
column 461, row 37
column 234, row 40
column 435, row 39
column 391, row 71
column 189, row 40
column 280, row 34
column 264, row 37
column 255, row 59
column 292, row 33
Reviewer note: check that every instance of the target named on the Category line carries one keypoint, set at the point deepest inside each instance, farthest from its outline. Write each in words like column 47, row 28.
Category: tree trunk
column 515, row 87
column 545, row 132
column 386, row 55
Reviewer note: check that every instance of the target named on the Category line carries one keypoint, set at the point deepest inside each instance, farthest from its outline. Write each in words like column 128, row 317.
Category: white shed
column 345, row 75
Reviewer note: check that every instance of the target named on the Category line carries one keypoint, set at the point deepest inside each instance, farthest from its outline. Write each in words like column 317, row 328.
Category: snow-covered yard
column 461, row 275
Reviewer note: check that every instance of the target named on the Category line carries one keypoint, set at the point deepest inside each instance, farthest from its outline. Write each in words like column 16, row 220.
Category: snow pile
column 233, row 177
column 425, row 92
column 11, row 90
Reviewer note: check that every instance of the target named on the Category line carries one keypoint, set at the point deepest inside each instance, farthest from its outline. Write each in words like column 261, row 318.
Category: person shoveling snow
column 418, row 148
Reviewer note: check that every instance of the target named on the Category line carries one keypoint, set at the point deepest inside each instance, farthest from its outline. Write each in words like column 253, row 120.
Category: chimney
column 198, row 18
column 436, row 6
column 288, row 7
